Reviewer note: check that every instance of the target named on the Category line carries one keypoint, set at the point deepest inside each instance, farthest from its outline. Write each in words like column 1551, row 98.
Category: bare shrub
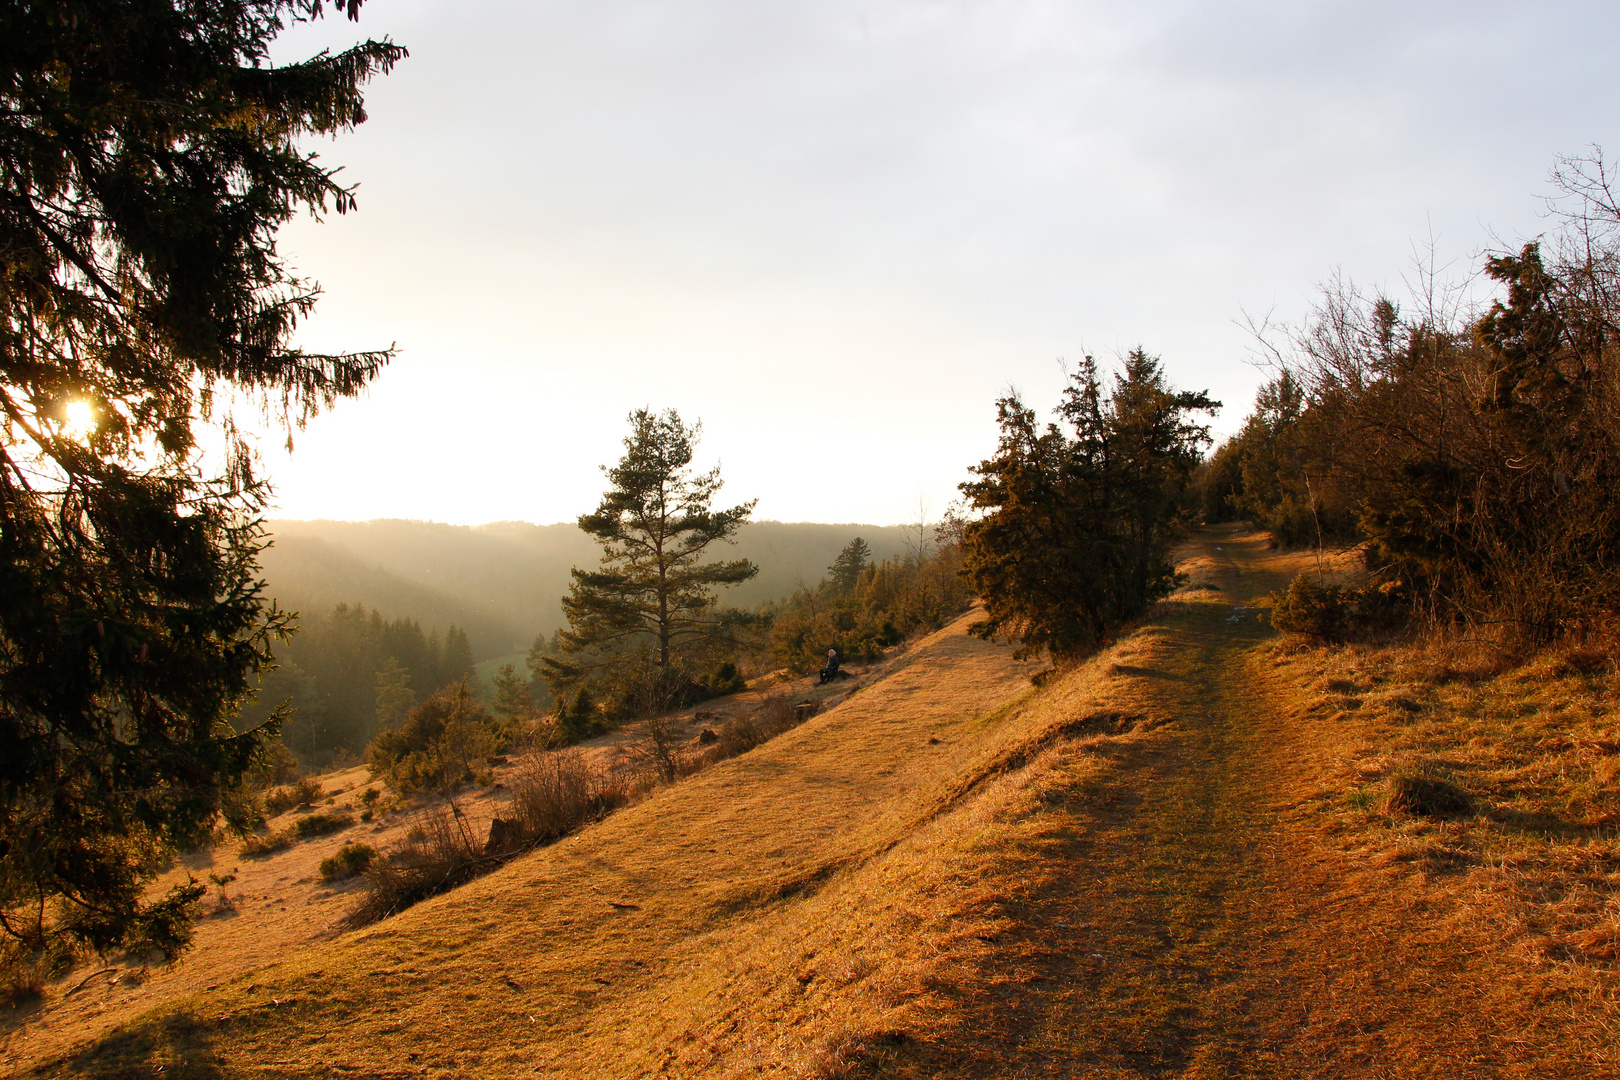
column 659, row 746
column 22, row 978
column 556, row 792
column 736, row 736
column 741, row 734
column 1478, row 451
column 439, row 853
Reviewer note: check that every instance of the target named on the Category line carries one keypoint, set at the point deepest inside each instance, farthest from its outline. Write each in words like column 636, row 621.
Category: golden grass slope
column 1150, row 867
column 599, row 954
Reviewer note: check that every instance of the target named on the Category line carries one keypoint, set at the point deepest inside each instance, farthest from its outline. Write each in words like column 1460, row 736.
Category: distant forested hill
column 503, row 583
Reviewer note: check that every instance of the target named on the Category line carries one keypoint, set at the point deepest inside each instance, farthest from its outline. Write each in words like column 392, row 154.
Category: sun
column 81, row 419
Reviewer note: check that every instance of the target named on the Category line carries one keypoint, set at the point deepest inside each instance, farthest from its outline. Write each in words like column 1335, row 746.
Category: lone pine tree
column 148, row 153
column 653, row 591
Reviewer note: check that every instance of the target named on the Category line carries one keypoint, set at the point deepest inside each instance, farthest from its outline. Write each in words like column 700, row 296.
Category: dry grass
column 1534, row 748
column 1175, row 859
column 628, row 926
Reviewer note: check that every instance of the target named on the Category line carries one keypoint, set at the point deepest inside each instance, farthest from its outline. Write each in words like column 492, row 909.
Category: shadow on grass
column 1523, row 823
column 175, row 1047
column 1147, row 673
column 16, row 1016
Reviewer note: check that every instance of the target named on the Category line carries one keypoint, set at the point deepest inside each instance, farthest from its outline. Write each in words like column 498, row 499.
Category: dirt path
column 1196, row 921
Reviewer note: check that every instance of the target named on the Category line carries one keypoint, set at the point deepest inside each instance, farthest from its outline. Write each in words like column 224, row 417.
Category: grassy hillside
column 504, row 582
column 1172, row 860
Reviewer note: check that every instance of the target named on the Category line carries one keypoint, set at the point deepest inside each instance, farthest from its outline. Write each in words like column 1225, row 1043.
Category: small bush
column 1313, row 609
column 436, row 746
column 726, row 680
column 1332, row 613
column 321, row 824
column 1426, row 792
column 370, row 796
column 261, row 847
column 303, row 792
column 351, row 860
column 579, row 719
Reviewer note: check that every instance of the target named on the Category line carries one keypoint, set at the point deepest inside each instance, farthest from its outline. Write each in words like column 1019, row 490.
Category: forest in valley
column 392, row 611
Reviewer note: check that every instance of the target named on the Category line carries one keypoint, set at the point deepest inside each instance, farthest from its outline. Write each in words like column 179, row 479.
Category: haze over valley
column 503, row 583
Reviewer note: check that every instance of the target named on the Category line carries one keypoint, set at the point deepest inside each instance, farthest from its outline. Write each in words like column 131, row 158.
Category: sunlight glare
column 81, row 420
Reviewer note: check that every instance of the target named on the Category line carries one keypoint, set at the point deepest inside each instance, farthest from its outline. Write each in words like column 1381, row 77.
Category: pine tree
column 456, row 662
column 845, row 570
column 395, row 698
column 1075, row 532
column 578, row 718
column 513, row 704
column 149, row 150
column 653, row 592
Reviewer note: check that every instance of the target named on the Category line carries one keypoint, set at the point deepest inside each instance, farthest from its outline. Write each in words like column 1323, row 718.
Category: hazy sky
column 837, row 230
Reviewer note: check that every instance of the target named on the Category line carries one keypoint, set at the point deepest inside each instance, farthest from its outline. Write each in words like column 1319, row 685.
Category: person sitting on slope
column 830, row 672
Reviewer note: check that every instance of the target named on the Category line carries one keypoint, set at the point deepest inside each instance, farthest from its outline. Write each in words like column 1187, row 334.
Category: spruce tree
column 1074, row 534
column 395, row 698
column 845, row 570
column 456, row 662
column 653, row 592
column 148, row 153
column 513, row 703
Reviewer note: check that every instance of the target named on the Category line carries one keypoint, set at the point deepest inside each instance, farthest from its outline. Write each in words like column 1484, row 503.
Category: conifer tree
column 395, row 698
column 653, row 591
column 513, row 703
column 845, row 570
column 1074, row 532
column 148, row 153
column 456, row 661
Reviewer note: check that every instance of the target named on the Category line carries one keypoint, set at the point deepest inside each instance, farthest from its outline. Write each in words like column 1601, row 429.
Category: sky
column 835, row 231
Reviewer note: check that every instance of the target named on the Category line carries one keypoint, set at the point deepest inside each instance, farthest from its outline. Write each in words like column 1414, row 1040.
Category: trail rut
column 1186, row 918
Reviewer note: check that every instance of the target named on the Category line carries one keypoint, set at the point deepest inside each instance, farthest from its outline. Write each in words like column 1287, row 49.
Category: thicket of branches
column 1476, row 453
